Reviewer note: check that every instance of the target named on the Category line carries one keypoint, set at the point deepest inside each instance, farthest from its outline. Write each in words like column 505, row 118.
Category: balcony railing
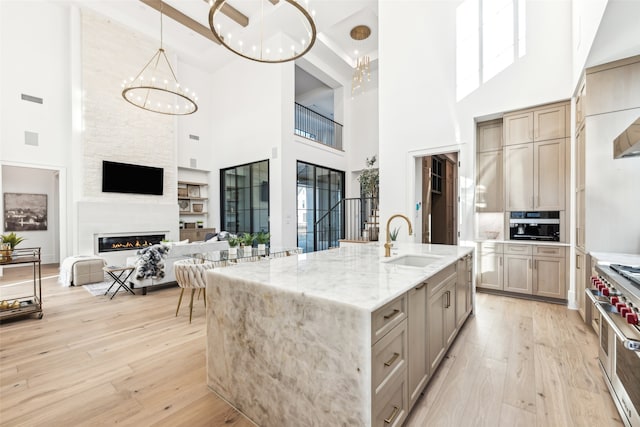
column 317, row 127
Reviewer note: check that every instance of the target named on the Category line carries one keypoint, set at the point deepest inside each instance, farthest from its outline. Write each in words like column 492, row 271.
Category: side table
column 117, row 273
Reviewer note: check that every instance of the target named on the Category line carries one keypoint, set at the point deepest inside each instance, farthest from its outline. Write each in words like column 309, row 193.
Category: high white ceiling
column 334, row 20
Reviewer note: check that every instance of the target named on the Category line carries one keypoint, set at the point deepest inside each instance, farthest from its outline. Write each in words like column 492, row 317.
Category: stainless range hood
column 627, row 144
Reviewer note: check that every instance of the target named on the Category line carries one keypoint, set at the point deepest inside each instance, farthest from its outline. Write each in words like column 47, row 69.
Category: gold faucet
column 387, row 245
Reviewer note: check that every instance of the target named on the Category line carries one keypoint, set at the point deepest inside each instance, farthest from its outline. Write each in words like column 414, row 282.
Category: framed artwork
column 25, row 212
column 193, row 190
column 184, row 205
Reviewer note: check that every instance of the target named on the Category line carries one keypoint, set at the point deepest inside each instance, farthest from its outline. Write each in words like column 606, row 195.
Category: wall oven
column 616, row 296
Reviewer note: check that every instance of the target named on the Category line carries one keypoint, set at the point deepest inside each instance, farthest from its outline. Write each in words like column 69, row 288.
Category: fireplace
column 127, row 243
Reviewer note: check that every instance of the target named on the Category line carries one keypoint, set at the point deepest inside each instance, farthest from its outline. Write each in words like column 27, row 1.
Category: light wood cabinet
column 392, row 408
column 389, row 358
column 535, row 176
column 549, row 123
column 490, row 136
column 489, row 182
column 518, row 128
column 581, row 276
column 549, row 175
column 549, row 277
column 418, row 368
column 490, row 266
column 535, row 270
column 464, row 270
column 442, row 323
column 517, row 274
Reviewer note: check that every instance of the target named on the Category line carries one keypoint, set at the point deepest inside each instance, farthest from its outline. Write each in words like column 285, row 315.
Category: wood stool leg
column 193, row 291
column 179, row 301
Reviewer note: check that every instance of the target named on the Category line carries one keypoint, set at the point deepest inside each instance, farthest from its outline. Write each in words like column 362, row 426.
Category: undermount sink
column 418, row 261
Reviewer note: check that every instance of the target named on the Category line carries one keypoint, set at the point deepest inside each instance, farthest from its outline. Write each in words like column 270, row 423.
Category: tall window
column 319, row 189
column 490, row 34
column 245, row 198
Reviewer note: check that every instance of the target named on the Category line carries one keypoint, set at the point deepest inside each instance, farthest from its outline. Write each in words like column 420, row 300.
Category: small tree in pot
column 369, row 179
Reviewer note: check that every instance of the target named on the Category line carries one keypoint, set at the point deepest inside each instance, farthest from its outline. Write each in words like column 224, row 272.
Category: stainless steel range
column 616, row 296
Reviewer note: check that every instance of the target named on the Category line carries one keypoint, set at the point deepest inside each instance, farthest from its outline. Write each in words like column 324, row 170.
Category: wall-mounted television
column 128, row 178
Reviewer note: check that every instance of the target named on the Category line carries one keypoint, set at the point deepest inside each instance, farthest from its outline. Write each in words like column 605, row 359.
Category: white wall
column 585, row 20
column 36, row 181
column 418, row 111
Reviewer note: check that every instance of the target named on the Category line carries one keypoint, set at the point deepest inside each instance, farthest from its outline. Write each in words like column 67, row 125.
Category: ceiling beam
column 180, row 17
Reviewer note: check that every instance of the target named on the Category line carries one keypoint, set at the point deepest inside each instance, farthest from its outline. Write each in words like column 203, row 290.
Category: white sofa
column 177, row 252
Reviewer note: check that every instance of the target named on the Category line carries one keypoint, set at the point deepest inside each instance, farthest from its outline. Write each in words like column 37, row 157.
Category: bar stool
column 191, row 274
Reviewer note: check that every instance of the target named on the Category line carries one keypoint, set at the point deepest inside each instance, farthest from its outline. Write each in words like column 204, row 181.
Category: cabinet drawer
column 437, row 281
column 389, row 358
column 387, row 316
column 390, row 410
column 487, row 248
column 518, row 249
column 554, row 251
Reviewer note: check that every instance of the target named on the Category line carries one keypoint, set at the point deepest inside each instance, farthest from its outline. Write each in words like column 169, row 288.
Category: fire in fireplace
column 126, row 243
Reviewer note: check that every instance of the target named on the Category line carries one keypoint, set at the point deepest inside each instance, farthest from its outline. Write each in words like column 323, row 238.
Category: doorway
column 440, row 199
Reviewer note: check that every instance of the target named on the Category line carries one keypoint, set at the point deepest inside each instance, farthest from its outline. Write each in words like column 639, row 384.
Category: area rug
column 97, row 289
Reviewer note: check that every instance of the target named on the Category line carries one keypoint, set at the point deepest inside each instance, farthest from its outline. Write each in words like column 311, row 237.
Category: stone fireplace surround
column 122, row 217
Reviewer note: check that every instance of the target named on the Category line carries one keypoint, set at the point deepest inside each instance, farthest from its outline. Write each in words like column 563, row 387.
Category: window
column 245, row 198
column 319, row 189
column 490, row 34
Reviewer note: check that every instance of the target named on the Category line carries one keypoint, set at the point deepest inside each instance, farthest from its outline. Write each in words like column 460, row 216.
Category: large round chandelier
column 285, row 30
column 156, row 87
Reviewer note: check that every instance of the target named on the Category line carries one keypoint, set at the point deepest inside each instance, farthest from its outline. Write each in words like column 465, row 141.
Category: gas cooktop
column 628, row 272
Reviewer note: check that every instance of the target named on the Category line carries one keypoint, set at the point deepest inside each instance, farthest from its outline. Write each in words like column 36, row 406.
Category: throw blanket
column 66, row 268
column 151, row 261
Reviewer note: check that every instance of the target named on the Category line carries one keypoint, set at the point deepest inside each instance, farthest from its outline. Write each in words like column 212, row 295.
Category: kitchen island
column 338, row 337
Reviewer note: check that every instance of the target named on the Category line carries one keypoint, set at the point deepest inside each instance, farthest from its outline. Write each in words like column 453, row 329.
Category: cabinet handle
column 535, row 264
column 529, row 263
column 393, row 313
column 393, row 359
column 420, row 286
column 393, row 415
column 500, row 258
column 577, row 262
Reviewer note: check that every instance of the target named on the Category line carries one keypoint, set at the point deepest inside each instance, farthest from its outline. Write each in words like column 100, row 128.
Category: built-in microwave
column 534, row 225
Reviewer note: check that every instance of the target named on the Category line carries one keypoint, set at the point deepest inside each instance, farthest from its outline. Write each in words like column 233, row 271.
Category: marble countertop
column 616, row 258
column 355, row 275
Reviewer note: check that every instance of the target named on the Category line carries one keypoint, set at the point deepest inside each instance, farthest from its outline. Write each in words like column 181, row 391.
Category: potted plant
column 233, row 246
column 246, row 241
column 9, row 242
column 393, row 234
column 262, row 239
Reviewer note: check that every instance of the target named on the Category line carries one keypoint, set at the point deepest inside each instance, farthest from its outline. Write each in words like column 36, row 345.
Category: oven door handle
column 628, row 343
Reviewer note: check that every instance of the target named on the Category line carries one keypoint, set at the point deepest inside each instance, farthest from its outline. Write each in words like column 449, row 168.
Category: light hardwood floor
column 129, row 361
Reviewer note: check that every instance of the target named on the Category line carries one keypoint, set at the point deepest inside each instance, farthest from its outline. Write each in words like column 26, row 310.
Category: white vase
column 233, row 253
column 261, row 248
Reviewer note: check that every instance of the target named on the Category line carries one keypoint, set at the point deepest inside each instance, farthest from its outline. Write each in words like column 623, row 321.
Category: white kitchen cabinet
column 535, row 176
column 490, row 268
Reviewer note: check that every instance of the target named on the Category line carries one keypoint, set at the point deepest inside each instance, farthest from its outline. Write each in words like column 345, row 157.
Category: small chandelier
column 362, row 70
column 250, row 42
column 156, row 87
column 361, row 74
